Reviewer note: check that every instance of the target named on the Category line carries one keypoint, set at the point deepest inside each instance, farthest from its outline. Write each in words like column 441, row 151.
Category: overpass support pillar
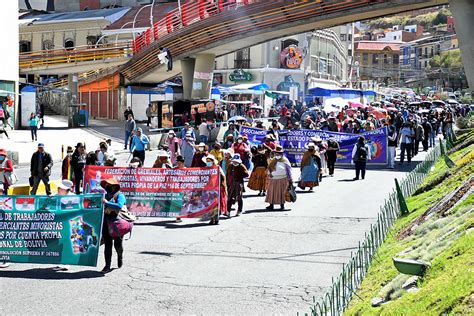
column 72, row 84
column 463, row 12
column 187, row 70
column 203, row 74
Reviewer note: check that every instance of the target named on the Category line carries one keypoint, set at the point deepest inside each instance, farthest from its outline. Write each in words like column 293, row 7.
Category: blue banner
column 294, row 141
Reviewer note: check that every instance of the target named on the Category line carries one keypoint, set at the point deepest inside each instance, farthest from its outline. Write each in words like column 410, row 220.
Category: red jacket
column 8, row 168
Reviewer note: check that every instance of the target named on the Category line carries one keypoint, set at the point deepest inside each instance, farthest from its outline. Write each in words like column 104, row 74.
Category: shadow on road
column 156, row 253
column 50, row 274
column 264, row 210
column 346, row 180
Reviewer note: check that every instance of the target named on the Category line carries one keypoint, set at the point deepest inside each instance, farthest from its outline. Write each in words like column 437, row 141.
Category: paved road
column 260, row 263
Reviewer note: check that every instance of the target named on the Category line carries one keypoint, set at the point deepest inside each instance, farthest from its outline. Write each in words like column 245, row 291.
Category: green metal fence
column 343, row 288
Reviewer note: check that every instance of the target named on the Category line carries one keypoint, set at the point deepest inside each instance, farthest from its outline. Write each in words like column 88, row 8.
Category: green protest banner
column 52, row 230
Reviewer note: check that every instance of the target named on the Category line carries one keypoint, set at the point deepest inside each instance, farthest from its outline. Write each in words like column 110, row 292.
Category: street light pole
column 135, row 17
column 151, row 13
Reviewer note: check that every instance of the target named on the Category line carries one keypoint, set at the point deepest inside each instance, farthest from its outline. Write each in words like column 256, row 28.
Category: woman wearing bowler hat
column 279, row 177
column 114, row 201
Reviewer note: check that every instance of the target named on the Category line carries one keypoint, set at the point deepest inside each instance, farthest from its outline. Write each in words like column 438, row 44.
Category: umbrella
column 391, row 108
column 237, row 119
column 378, row 114
column 256, row 107
column 355, row 105
column 424, row 111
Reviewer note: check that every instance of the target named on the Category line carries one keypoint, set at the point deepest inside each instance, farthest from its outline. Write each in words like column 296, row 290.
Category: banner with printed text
column 152, row 192
column 51, row 230
column 294, row 141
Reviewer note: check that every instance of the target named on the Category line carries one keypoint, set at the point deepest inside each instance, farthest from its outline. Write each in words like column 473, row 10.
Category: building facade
column 304, row 61
column 378, row 61
column 9, row 66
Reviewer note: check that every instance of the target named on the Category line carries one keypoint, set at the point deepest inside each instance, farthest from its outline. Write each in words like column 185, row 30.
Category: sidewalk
column 54, row 135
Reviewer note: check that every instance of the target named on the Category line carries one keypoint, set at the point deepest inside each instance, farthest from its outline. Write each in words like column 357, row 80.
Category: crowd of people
column 265, row 165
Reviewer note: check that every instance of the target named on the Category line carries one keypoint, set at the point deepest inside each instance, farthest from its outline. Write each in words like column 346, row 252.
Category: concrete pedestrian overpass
column 201, row 30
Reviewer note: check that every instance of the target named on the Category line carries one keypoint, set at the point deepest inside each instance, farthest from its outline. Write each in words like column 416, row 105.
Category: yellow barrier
column 24, row 189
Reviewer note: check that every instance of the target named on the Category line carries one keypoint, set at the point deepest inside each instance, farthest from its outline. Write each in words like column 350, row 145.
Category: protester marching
column 195, row 175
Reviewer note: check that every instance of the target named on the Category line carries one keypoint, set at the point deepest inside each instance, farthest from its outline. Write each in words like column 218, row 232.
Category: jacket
column 47, row 161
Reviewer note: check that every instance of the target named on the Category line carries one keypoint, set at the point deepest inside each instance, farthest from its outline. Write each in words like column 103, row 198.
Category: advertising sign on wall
column 291, row 57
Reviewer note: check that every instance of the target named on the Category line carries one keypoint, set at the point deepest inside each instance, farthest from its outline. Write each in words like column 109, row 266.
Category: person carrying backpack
column 360, row 154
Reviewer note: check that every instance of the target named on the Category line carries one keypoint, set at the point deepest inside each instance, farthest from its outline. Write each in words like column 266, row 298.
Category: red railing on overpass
column 206, row 24
column 190, row 12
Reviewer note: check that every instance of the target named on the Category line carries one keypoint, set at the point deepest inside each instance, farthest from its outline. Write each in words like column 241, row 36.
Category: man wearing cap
column 187, row 129
column 139, row 143
column 78, row 161
column 130, row 126
column 40, row 168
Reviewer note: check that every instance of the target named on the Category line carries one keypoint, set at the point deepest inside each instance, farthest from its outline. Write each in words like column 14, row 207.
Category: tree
column 447, row 60
column 442, row 16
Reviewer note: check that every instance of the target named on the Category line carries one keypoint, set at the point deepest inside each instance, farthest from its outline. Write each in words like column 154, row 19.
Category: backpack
column 361, row 153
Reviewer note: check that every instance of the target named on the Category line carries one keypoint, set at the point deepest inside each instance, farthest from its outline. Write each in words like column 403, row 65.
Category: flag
column 25, row 204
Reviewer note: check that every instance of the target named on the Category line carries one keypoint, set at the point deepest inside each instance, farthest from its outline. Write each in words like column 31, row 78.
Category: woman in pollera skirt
column 279, row 178
column 258, row 178
column 309, row 168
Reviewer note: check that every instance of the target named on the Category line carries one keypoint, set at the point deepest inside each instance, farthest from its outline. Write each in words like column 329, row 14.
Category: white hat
column 310, row 144
column 65, row 185
column 163, row 153
column 171, row 132
column 204, row 159
column 236, row 158
column 201, row 145
column 316, row 139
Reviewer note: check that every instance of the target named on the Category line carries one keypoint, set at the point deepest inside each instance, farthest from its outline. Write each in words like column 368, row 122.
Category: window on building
column 343, row 37
column 426, row 63
column 432, row 52
column 396, row 59
column 69, row 44
column 349, row 52
column 242, row 59
column 375, row 58
column 330, row 68
column 426, row 51
column 385, row 59
column 323, row 69
column 25, row 46
column 92, row 40
column 365, row 58
column 349, row 37
column 47, row 45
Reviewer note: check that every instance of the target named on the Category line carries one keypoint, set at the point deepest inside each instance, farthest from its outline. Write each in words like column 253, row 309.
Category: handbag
column 118, row 227
column 290, row 195
column 11, row 177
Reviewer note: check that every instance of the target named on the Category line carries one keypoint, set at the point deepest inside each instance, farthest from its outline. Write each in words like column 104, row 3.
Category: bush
column 465, row 122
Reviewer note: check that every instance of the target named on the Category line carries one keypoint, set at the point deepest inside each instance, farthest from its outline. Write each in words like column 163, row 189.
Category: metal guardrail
column 343, row 288
column 79, row 54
